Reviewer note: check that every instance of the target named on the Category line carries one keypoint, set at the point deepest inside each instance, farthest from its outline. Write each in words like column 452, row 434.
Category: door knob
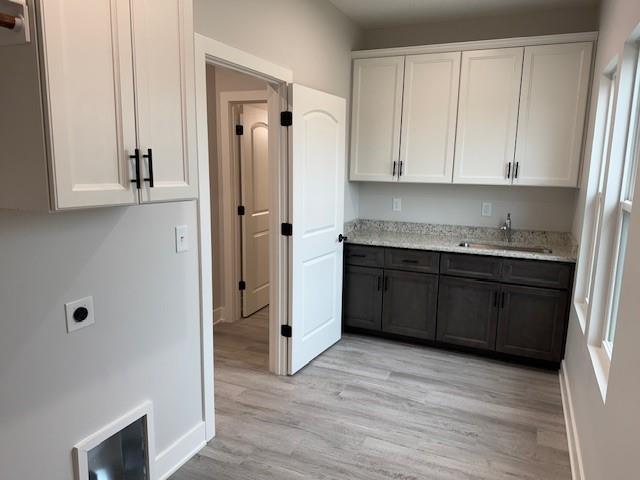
column 342, row 238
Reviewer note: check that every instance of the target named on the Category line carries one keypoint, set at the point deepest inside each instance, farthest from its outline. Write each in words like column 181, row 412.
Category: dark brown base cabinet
column 514, row 308
column 467, row 312
column 409, row 304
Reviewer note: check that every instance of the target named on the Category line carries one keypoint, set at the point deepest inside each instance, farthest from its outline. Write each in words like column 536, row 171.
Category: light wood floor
column 374, row 409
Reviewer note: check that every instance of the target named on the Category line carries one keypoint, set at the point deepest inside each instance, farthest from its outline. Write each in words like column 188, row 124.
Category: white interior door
column 317, row 212
column 254, row 179
column 429, row 112
column 487, row 116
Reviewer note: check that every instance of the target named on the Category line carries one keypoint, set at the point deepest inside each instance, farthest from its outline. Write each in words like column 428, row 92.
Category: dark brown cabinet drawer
column 363, row 255
column 411, row 260
column 470, row 266
column 537, row 273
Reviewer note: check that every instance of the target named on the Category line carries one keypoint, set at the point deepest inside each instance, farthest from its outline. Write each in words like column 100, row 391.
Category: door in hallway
column 254, row 175
column 317, row 139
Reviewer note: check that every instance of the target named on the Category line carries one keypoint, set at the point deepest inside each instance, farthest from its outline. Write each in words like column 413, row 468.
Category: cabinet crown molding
column 478, row 45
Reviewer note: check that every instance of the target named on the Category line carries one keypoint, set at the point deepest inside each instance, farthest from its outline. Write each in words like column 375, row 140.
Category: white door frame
column 211, row 51
column 228, row 173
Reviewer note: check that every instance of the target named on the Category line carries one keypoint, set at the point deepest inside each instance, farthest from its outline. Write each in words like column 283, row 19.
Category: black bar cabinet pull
column 406, row 260
column 515, row 175
column 509, row 170
column 394, row 169
column 136, row 158
column 400, row 169
column 149, row 157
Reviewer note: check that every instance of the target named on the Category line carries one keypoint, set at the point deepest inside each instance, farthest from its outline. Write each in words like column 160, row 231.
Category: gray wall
column 608, row 431
column 531, row 207
column 310, row 37
column 58, row 388
column 541, row 22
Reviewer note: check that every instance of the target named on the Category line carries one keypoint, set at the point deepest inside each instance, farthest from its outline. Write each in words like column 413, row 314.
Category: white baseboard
column 171, row 459
column 575, row 453
column 218, row 315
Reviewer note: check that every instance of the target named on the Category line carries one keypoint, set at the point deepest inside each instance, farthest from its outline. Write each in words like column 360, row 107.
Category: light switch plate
column 71, row 307
column 397, row 204
column 487, row 209
column 182, row 239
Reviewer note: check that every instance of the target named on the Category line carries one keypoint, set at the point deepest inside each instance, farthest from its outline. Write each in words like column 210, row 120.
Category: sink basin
column 498, row 246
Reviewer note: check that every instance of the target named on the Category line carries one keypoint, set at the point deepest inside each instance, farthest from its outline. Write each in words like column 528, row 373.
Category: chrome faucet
column 506, row 228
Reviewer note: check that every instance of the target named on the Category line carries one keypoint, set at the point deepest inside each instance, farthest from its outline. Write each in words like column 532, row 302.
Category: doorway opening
column 240, row 200
column 306, row 169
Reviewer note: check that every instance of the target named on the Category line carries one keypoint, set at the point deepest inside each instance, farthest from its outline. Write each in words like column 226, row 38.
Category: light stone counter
column 447, row 238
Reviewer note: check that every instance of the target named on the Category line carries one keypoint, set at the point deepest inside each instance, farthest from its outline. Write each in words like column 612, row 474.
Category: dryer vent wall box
column 125, row 149
column 79, row 314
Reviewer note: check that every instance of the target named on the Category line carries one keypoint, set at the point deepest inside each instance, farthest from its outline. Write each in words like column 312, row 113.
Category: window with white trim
column 623, row 214
column 609, row 85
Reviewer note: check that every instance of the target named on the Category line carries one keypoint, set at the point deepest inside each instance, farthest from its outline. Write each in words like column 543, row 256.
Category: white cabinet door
column 164, row 66
column 89, row 102
column 487, row 116
column 254, row 166
column 553, row 102
column 376, row 115
column 317, row 175
column 429, row 112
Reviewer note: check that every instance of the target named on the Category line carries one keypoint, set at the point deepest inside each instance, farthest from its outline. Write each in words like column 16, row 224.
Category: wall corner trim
column 575, row 452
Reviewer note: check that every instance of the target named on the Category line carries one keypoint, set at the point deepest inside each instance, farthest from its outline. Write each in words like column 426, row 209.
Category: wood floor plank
column 374, row 409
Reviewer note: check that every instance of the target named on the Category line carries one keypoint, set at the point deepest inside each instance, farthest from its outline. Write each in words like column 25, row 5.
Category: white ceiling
column 388, row 13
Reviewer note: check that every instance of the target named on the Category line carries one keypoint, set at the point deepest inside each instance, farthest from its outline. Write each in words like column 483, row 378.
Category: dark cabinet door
column 362, row 297
column 409, row 304
column 532, row 322
column 467, row 312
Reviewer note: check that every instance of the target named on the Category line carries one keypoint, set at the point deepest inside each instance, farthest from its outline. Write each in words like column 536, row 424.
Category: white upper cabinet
column 99, row 81
column 487, row 116
column 163, row 39
column 553, row 102
column 88, row 76
column 429, row 112
column 376, row 116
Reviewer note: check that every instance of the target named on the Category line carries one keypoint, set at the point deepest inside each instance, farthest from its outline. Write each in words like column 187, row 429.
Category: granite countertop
column 446, row 238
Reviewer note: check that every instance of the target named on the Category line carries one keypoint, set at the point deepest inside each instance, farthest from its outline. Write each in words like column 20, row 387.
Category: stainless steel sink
column 498, row 246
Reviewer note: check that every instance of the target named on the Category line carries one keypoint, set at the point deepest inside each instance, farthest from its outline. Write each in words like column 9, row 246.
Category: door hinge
column 240, row 209
column 239, row 130
column 285, row 331
column 286, row 119
column 287, row 229
column 242, row 285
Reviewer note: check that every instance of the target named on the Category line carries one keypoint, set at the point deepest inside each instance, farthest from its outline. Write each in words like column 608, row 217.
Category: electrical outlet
column 487, row 209
column 182, row 238
column 397, row 204
column 79, row 314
